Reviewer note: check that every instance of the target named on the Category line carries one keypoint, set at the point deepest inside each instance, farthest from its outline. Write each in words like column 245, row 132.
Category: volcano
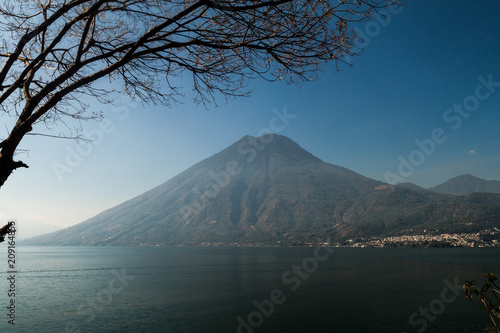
column 267, row 191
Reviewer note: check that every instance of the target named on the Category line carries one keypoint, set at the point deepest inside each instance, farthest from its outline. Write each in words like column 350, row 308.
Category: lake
column 243, row 289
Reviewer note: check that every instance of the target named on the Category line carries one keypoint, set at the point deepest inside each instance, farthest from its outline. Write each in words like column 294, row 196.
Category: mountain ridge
column 269, row 190
column 467, row 184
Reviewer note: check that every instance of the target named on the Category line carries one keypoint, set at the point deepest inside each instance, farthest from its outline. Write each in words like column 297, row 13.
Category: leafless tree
column 54, row 51
column 489, row 295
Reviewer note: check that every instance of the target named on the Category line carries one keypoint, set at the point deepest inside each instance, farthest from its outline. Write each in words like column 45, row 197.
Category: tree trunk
column 7, row 150
column 7, row 166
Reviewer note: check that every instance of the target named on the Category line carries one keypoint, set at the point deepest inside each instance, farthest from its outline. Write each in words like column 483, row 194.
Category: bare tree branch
column 54, row 51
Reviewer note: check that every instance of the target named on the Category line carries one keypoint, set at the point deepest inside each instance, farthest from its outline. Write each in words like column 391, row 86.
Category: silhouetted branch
column 54, row 51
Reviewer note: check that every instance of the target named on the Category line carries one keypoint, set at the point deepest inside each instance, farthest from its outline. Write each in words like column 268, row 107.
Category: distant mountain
column 467, row 184
column 268, row 190
column 26, row 226
column 31, row 229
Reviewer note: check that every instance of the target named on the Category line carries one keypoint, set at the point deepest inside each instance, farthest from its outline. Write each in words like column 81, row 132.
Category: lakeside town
column 485, row 238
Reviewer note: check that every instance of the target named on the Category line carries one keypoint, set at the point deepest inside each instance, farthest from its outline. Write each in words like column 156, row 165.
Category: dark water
column 141, row 289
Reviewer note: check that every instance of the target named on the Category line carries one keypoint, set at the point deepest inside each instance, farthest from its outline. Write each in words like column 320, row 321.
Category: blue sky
column 414, row 69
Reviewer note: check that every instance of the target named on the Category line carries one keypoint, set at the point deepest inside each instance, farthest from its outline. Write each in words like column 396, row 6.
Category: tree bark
column 7, row 166
column 7, row 151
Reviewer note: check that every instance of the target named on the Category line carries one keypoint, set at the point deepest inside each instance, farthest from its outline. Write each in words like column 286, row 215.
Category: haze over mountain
column 268, row 190
column 26, row 226
column 467, row 184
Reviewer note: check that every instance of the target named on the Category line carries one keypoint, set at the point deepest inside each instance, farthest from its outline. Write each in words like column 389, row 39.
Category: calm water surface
column 189, row 289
